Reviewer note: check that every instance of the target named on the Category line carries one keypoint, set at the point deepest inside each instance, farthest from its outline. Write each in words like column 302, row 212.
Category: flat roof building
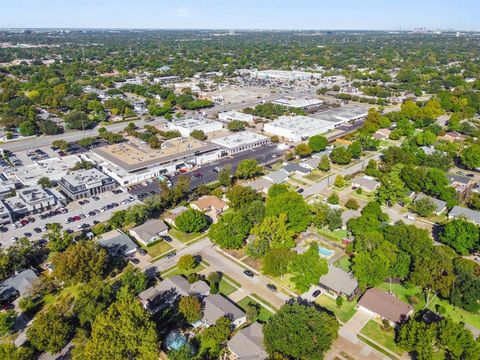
column 297, row 103
column 235, row 115
column 297, row 128
column 186, row 126
column 241, row 141
column 85, row 183
column 284, row 75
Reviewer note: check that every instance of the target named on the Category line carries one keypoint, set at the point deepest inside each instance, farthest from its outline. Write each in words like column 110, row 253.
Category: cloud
column 182, row 12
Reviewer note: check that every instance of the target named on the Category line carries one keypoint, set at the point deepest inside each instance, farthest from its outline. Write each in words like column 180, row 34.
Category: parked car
column 316, row 293
column 249, row 273
column 272, row 287
column 142, row 252
column 171, row 255
column 134, row 261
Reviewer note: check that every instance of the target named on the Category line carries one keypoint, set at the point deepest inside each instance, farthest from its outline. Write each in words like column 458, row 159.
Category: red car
column 76, row 218
column 24, row 222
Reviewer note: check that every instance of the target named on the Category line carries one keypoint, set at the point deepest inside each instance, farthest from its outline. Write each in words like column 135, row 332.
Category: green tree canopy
column 317, row 143
column 231, row 230
column 191, row 221
column 294, row 206
column 307, row 268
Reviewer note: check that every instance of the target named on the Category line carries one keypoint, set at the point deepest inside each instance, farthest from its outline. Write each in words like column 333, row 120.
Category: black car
column 316, row 293
column 37, row 230
column 171, row 255
column 272, row 287
column 134, row 261
column 142, row 252
column 27, row 234
column 249, row 273
column 167, row 238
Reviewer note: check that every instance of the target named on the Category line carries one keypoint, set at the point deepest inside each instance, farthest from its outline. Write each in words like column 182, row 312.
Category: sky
column 242, row 14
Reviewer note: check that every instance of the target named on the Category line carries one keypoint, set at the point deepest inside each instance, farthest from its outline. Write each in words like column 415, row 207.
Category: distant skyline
column 243, row 14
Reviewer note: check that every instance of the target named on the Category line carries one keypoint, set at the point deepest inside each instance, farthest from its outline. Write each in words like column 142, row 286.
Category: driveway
column 353, row 326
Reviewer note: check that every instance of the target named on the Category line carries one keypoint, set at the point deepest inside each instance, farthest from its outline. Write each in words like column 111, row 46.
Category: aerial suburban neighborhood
column 239, row 194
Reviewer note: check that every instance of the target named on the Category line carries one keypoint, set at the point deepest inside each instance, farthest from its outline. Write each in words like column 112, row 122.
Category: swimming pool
column 175, row 340
column 326, row 253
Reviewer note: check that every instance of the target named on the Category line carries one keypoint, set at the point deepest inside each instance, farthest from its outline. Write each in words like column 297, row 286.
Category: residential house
column 440, row 205
column 260, row 184
column 365, row 182
column 277, row 177
column 311, row 163
column 459, row 182
column 468, row 214
column 216, row 306
column 117, row 243
column 347, row 215
column 382, row 134
column 339, row 282
column 453, row 136
column 247, row 344
column 149, row 232
column 169, row 291
column 171, row 215
column 296, row 168
column 209, row 203
column 379, row 303
column 17, row 285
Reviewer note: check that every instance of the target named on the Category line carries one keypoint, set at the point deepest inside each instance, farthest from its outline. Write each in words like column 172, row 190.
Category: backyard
column 344, row 263
column 344, row 313
column 337, row 235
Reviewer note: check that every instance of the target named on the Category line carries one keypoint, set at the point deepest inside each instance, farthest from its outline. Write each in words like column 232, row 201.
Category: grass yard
column 183, row 237
column 263, row 315
column 365, row 196
column 378, row 348
column 344, row 313
column 158, row 248
column 297, row 181
column 286, row 282
column 337, row 235
column 277, row 166
column 316, row 175
column 226, row 288
column 176, row 271
column 374, row 331
column 344, row 263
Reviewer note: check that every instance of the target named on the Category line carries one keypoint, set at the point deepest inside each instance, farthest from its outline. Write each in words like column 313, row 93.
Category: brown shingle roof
column 209, row 201
column 385, row 305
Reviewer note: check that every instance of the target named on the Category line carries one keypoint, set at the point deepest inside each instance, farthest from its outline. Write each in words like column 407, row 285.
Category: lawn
column 374, row 331
column 316, row 175
column 263, row 315
column 337, row 235
column 365, row 195
column 298, row 181
column 344, row 313
column 344, row 263
column 226, row 288
column 183, row 237
column 286, row 282
column 158, row 248
column 176, row 271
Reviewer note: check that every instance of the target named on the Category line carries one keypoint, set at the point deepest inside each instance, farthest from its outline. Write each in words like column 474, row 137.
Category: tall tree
column 307, row 268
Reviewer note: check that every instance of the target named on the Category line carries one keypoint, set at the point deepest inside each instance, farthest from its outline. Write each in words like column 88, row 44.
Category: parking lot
column 78, row 209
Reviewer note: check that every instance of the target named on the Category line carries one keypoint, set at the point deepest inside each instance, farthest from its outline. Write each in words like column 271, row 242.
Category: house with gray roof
column 296, row 168
column 468, row 214
column 459, row 182
column 150, row 231
column 311, row 163
column 277, row 177
column 117, row 243
column 365, row 182
column 169, row 291
column 440, row 205
column 217, row 306
column 260, row 184
column 17, row 285
column 339, row 282
column 247, row 344
column 172, row 214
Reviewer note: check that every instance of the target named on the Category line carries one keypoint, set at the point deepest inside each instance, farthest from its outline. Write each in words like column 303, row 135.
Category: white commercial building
column 297, row 103
column 241, row 141
column 185, row 127
column 284, row 75
column 235, row 115
column 298, row 128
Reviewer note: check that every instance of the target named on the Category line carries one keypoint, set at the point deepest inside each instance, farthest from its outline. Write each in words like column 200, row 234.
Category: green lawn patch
column 316, row 175
column 298, row 181
column 183, row 237
column 343, row 313
column 344, row 263
column 378, row 348
column 386, row 338
column 337, row 235
column 365, row 196
column 286, row 282
column 225, row 288
column 176, row 271
column 158, row 248
column 263, row 315
column 231, row 281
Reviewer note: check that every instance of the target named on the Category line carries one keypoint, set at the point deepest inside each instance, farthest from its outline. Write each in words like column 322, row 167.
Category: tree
column 461, row 235
column 473, row 201
column 352, row 204
column 191, row 221
column 190, row 308
column 198, row 134
column 58, row 239
column 52, row 329
column 225, row 176
column 275, row 262
column 466, row 291
column 370, row 268
column 317, row 143
column 230, row 231
column 303, row 150
column 294, row 206
column 93, row 298
column 27, row 128
column 82, row 165
column 471, row 156
column 61, row 144
column 277, row 189
column 87, row 142
column 333, row 199
column 274, row 232
column 252, row 309
column 355, row 148
column 216, row 335
column 300, row 332
column 324, row 163
column 391, row 190
column 307, row 268
column 340, row 156
column 236, row 125
column 424, row 206
column 7, row 321
column 239, row 196
column 187, row 262
column 339, row 181
column 81, row 262
column 77, row 120
column 11, row 352
column 247, row 169
column 418, row 338
column 254, row 211
column 134, row 280
column 45, row 182
column 125, row 331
